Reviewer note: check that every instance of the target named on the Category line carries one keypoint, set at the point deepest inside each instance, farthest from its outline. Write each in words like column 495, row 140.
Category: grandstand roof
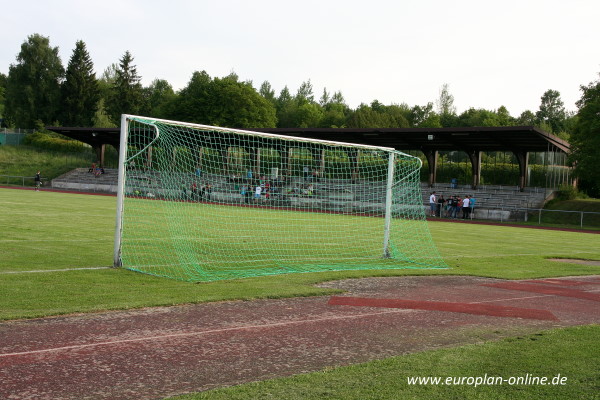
column 512, row 138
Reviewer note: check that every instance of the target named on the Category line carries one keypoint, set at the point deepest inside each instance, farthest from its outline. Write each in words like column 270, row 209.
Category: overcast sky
column 490, row 53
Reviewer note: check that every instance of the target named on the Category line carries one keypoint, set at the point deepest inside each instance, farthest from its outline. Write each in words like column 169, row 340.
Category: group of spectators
column 96, row 169
column 198, row 192
column 453, row 207
column 261, row 189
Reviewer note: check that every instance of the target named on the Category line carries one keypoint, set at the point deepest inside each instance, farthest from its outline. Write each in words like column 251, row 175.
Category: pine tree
column 127, row 93
column 80, row 92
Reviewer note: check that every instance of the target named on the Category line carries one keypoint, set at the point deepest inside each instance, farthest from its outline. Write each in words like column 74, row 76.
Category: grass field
column 56, row 250
column 74, row 233
column 207, row 241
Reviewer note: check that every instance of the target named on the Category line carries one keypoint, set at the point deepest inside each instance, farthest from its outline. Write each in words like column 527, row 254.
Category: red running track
column 160, row 352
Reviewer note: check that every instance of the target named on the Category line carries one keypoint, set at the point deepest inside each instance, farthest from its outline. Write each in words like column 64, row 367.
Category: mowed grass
column 215, row 241
column 69, row 236
column 51, row 244
column 566, row 357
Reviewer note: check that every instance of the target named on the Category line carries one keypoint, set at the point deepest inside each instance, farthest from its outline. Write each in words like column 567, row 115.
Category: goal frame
column 124, row 133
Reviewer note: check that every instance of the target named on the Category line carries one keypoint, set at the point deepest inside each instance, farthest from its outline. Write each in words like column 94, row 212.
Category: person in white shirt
column 257, row 192
column 465, row 207
column 432, row 203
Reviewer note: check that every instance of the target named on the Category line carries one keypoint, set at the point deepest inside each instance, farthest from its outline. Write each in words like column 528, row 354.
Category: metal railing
column 13, row 180
column 540, row 216
column 16, row 130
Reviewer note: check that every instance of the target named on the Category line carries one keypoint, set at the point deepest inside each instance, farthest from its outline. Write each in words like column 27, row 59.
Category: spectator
column 440, row 205
column 465, row 207
column 306, row 172
column 432, row 203
column 257, row 192
column 449, row 206
column 453, row 183
column 38, row 181
column 457, row 206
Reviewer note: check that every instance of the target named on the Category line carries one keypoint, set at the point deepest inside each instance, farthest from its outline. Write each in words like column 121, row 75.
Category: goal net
column 202, row 203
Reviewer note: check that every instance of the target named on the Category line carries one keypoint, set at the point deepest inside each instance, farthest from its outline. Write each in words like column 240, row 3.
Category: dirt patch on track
column 160, row 352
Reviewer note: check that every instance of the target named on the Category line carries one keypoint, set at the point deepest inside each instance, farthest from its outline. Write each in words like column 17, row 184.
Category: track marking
column 52, row 270
column 445, row 306
column 512, row 298
column 186, row 334
column 542, row 289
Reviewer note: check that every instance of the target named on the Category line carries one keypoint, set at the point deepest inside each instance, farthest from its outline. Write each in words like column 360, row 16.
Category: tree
column 445, row 107
column 585, row 139
column 223, row 102
column 126, row 95
column 399, row 115
column 80, row 93
column 325, row 98
column 285, row 107
column 424, row 117
column 238, row 105
column 267, row 92
column 33, row 84
column 482, row 117
column 305, row 93
column 552, row 111
column 3, row 79
column 504, row 118
column 336, row 110
column 527, row 118
column 158, row 96
column 193, row 102
column 105, row 85
column 370, row 116
column 445, row 103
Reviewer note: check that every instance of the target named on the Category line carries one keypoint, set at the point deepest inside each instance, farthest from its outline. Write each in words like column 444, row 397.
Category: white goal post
column 204, row 203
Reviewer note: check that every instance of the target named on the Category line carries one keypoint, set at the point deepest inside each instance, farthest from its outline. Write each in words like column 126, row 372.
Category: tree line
column 38, row 91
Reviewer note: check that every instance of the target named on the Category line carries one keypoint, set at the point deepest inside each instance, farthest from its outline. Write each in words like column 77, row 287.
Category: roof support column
column 523, row 160
column 432, row 158
column 354, row 156
column 475, row 157
column 149, row 158
column 100, row 154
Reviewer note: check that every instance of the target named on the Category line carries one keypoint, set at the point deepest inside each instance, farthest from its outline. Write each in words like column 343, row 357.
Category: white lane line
column 199, row 333
column 52, row 270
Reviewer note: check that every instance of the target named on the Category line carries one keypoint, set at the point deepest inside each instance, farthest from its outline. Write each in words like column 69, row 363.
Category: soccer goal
column 204, row 203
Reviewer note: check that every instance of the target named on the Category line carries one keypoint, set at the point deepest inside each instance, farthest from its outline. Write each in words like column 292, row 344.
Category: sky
column 489, row 53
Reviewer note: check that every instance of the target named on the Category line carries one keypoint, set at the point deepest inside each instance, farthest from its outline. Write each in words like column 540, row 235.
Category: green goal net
column 202, row 203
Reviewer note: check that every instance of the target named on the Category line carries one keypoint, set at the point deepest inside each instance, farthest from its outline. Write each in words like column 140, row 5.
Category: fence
column 25, row 181
column 541, row 216
column 12, row 138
